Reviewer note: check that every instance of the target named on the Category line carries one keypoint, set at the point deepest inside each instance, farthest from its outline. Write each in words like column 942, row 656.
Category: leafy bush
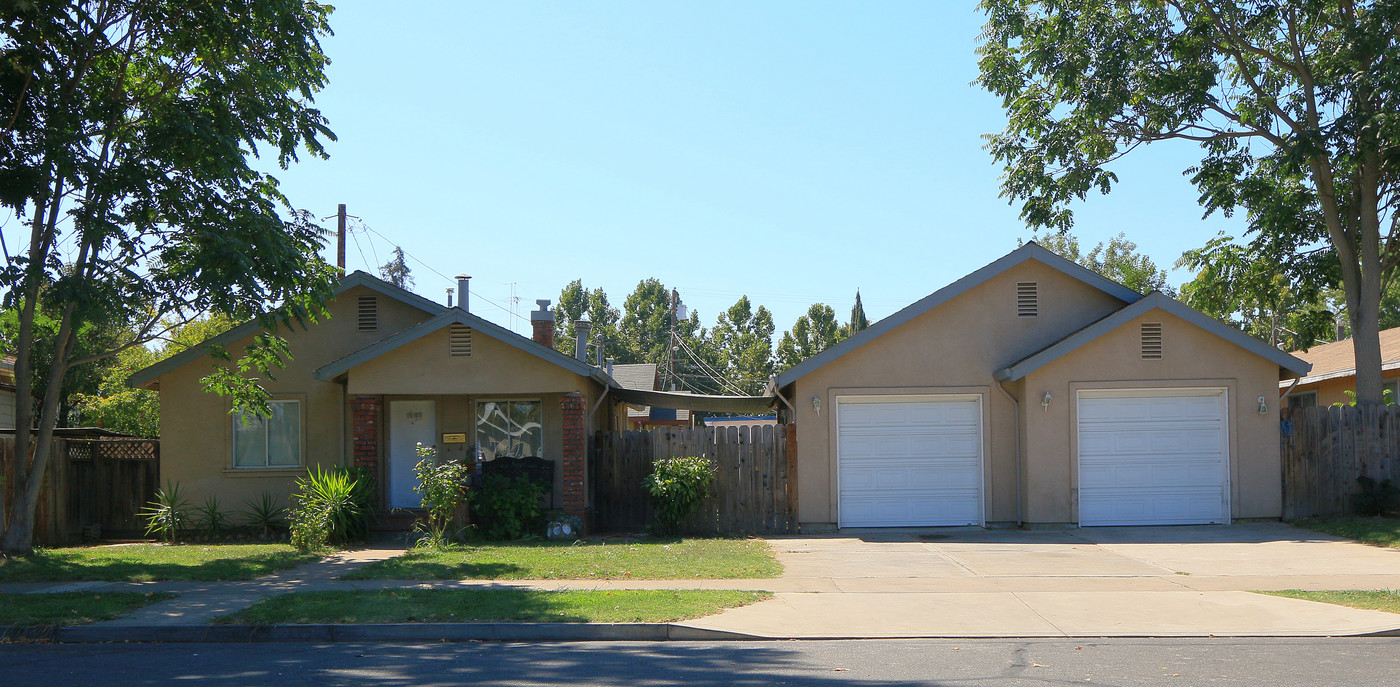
column 1375, row 498
column 444, row 488
column 677, row 486
column 508, row 508
column 264, row 516
column 165, row 515
column 212, row 519
column 332, row 507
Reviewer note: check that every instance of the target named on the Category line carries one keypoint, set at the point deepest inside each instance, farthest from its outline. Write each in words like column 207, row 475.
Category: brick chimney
column 543, row 322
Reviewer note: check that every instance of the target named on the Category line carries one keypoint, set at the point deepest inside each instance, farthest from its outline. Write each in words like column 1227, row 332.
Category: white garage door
column 909, row 461
column 1153, row 457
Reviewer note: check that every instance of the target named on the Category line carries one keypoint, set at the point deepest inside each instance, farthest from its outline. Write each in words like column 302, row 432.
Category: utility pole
column 340, row 238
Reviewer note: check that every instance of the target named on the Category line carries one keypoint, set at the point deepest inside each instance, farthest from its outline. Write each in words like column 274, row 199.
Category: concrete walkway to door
column 1142, row 581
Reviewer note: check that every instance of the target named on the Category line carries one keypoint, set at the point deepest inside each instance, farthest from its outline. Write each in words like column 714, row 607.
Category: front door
column 410, row 422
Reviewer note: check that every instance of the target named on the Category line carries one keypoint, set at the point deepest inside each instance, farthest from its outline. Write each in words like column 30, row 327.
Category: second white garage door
column 1153, row 457
column 909, row 461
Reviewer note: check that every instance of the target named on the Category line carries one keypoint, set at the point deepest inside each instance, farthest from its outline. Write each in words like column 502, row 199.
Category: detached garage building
column 1036, row 391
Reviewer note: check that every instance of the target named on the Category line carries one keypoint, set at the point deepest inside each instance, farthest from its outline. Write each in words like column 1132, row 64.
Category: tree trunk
column 1365, row 333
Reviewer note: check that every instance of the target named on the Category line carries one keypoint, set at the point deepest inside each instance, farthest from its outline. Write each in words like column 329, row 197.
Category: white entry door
column 909, row 461
column 1153, row 457
column 410, row 422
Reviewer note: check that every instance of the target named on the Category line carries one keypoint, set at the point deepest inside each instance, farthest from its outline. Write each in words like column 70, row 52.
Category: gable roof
column 1156, row 299
column 459, row 316
column 1338, row 359
column 1030, row 251
column 145, row 376
column 635, row 375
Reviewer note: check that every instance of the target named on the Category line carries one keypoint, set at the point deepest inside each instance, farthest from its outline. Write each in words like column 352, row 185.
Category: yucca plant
column 335, row 503
column 165, row 515
column 210, row 518
column 264, row 515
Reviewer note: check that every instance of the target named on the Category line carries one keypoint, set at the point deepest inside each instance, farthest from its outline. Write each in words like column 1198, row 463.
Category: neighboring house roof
column 1030, row 251
column 635, row 375
column 459, row 316
column 677, row 399
column 1154, row 300
column 143, row 377
column 1338, row 359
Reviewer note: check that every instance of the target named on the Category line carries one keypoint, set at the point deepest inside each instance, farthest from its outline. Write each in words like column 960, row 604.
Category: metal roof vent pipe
column 582, row 328
column 463, row 290
column 610, row 365
column 449, row 296
column 542, row 321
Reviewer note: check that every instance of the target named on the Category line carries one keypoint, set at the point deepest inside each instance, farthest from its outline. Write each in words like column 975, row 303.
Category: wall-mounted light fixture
column 1263, row 407
column 1045, row 401
column 817, row 404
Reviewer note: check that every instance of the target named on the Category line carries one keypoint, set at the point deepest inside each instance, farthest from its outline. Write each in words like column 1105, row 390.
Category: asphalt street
column 1273, row 662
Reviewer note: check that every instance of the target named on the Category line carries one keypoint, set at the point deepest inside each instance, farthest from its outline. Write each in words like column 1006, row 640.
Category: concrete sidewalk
column 1070, row 583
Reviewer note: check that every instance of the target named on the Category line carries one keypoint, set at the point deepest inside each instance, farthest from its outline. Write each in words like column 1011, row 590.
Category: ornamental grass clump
column 331, row 507
column 676, row 487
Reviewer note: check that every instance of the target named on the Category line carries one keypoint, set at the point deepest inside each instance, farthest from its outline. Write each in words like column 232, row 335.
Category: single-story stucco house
column 1333, row 372
column 387, row 370
column 1036, row 391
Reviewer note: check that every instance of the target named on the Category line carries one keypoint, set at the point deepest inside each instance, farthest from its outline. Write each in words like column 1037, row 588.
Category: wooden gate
column 755, row 484
column 1325, row 449
column 95, row 484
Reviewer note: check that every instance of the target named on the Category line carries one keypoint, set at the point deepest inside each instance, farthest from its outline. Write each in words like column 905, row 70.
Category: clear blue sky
column 790, row 151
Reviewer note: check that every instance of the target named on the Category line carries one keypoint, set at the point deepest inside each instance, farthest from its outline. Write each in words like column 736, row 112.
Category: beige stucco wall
column 197, row 430
column 1192, row 357
column 953, row 348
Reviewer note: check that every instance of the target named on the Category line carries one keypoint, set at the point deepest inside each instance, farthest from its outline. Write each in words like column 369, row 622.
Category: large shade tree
column 1292, row 102
column 128, row 128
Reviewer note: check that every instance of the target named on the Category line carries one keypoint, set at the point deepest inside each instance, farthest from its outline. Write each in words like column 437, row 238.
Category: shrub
column 332, row 507
column 677, row 486
column 444, row 488
column 1375, row 498
column 212, row 519
column 508, row 508
column 264, row 516
column 165, row 515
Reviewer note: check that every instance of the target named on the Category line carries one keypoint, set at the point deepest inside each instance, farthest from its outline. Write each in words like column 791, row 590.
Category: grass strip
column 72, row 608
column 1378, row 531
column 491, row 605
column 152, row 562
column 672, row 559
column 1387, row 600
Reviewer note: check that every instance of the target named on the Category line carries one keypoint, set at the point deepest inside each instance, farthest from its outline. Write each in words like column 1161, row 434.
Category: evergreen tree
column 396, row 271
column 858, row 321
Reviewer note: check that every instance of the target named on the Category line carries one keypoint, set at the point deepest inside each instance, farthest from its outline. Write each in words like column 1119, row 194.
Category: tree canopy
column 396, row 271
column 1117, row 259
column 1292, row 103
column 129, row 132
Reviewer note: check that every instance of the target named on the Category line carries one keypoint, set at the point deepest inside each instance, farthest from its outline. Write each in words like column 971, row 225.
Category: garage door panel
column 909, row 463
column 1152, row 457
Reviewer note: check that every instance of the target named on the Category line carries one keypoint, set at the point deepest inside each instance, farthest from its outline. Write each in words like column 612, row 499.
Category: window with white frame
column 268, row 442
column 513, row 429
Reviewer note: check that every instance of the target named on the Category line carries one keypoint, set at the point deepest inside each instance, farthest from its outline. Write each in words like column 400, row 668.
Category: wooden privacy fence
column 755, row 486
column 1325, row 449
column 97, row 486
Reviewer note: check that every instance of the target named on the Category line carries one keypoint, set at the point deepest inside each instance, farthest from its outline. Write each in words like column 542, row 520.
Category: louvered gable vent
column 1027, row 299
column 368, row 314
column 1151, row 340
column 459, row 341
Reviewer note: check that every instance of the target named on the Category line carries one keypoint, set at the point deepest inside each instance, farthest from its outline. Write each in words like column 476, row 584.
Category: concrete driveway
column 1142, row 581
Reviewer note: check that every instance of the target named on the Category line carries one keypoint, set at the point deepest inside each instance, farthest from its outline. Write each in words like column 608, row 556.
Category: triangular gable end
column 144, row 377
column 1155, row 300
column 452, row 316
column 1030, row 251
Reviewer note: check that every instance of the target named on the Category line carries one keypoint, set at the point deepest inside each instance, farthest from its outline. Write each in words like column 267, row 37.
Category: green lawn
column 71, row 608
column 1372, row 600
column 1375, row 531
column 674, row 559
column 151, row 562
column 491, row 605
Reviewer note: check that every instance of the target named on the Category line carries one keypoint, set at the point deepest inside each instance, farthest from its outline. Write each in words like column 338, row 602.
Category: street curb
column 399, row 632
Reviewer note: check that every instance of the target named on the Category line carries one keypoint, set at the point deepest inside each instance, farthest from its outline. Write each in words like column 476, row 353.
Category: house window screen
column 268, row 442
column 509, row 428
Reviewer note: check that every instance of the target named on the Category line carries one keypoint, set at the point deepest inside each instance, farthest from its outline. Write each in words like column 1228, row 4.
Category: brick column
column 364, row 414
column 575, row 457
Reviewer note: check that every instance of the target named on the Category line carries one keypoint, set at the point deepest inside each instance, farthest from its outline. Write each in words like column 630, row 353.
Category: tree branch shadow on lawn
column 64, row 566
